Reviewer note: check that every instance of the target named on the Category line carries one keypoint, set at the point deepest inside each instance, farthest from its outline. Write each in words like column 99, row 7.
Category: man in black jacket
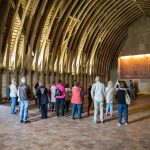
column 24, row 95
column 43, row 99
column 122, row 106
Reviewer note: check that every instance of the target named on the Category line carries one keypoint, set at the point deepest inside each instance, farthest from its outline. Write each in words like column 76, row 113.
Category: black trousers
column 60, row 102
column 89, row 105
column 44, row 111
column 66, row 107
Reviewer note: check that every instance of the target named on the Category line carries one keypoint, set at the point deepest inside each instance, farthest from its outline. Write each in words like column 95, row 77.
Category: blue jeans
column 122, row 108
column 24, row 104
column 78, row 106
column 109, row 106
column 13, row 104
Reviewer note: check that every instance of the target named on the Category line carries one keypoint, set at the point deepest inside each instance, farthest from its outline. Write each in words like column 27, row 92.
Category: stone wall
column 138, row 42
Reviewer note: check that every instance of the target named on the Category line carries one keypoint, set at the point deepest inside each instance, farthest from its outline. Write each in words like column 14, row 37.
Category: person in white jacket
column 13, row 95
column 53, row 99
column 98, row 94
column 110, row 93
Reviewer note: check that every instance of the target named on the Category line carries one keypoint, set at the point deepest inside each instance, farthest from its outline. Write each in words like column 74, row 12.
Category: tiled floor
column 66, row 134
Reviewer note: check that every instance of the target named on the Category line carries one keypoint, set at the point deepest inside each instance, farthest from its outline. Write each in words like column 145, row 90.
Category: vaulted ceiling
column 66, row 36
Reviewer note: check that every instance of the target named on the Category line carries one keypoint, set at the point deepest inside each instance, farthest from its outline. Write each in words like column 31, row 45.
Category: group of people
column 54, row 96
column 59, row 96
column 23, row 94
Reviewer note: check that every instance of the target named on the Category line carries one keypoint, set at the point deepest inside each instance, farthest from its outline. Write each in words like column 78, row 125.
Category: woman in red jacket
column 76, row 100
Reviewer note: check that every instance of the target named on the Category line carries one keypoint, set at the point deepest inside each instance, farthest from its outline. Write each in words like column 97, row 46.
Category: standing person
column 43, row 97
column 18, row 100
column 132, row 89
column 48, row 87
column 76, row 100
column 53, row 99
column 68, row 97
column 36, row 89
column 82, row 97
column 13, row 95
column 60, row 95
column 110, row 92
column 89, row 99
column 122, row 106
column 8, row 93
column 98, row 94
column 24, row 95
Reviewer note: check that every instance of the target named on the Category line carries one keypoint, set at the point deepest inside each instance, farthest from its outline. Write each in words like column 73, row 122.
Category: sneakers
column 119, row 124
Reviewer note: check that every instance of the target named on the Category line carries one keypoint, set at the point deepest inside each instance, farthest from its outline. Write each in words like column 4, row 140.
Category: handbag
column 127, row 97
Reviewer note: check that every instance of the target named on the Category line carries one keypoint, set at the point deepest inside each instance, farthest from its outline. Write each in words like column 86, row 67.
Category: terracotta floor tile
column 67, row 134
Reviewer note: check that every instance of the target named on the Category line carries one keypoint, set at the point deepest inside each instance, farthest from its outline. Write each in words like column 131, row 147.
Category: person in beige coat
column 110, row 93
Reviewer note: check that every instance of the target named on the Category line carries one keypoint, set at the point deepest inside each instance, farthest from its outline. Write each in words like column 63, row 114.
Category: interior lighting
column 135, row 56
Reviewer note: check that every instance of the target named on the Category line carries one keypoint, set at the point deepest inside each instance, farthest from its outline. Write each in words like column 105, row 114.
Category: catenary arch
column 66, row 39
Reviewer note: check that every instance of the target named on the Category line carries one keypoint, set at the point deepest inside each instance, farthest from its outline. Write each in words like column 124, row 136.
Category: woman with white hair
column 13, row 95
column 110, row 92
column 98, row 94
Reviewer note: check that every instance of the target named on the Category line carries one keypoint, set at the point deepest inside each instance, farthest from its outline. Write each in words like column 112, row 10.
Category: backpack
column 8, row 91
column 58, row 92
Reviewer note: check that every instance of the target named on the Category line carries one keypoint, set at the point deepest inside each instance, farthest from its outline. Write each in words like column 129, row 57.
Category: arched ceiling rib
column 67, row 36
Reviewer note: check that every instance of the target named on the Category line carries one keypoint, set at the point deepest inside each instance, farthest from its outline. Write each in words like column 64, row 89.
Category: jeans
column 100, row 106
column 122, row 108
column 109, row 106
column 13, row 104
column 78, row 106
column 60, row 101
column 24, row 104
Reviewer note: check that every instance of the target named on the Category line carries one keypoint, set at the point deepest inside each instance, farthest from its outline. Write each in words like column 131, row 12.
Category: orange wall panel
column 135, row 67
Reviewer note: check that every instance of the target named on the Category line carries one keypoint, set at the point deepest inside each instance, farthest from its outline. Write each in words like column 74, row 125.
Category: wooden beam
column 34, row 7
column 31, row 43
column 15, row 49
column 138, row 6
column 2, row 28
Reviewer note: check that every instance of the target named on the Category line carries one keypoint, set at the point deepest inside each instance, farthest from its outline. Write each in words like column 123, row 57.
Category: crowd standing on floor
column 58, row 96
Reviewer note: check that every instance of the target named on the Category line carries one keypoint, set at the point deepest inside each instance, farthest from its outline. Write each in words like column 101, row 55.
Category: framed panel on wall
column 135, row 67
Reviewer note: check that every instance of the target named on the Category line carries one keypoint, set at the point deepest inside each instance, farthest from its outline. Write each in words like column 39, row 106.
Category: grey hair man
column 24, row 95
column 98, row 94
